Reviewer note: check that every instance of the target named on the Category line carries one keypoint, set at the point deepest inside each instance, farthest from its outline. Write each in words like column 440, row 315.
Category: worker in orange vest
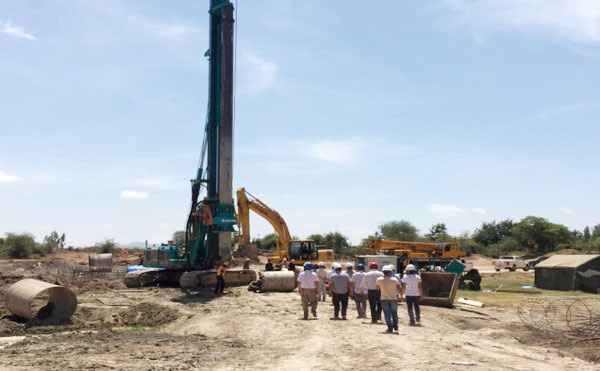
column 221, row 278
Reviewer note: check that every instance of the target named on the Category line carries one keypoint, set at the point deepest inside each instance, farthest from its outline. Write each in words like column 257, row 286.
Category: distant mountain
column 132, row 245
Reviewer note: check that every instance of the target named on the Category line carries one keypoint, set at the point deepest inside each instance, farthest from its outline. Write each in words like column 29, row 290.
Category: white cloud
column 448, row 210
column 337, row 151
column 134, row 195
column 566, row 210
column 256, row 73
column 572, row 20
column 479, row 210
column 15, row 31
column 8, row 178
column 168, row 183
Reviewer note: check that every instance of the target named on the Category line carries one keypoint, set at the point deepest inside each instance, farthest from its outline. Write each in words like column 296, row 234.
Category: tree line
column 23, row 245
column 531, row 235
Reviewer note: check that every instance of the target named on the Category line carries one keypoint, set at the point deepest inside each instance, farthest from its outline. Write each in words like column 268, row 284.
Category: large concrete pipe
column 59, row 305
column 101, row 262
column 278, row 281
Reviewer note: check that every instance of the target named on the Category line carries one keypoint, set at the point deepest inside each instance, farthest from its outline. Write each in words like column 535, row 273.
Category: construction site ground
column 167, row 328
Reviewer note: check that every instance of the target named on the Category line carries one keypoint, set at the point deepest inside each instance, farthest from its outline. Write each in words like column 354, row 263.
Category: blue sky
column 347, row 115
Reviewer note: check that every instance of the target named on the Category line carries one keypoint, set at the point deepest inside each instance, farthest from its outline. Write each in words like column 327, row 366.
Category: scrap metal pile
column 577, row 316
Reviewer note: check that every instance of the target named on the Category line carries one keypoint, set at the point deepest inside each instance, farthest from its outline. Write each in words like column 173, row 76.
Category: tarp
column 132, row 268
column 566, row 261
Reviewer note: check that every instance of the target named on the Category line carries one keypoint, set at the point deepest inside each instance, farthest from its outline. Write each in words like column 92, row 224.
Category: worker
column 413, row 287
column 339, row 287
column 269, row 265
column 247, row 263
column 359, row 298
column 308, row 281
column 368, row 286
column 292, row 266
column 389, row 288
column 349, row 270
column 220, row 287
column 332, row 270
column 322, row 274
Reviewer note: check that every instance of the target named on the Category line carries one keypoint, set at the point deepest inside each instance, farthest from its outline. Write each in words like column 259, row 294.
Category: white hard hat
column 321, row 264
column 349, row 265
column 387, row 268
column 336, row 266
column 411, row 267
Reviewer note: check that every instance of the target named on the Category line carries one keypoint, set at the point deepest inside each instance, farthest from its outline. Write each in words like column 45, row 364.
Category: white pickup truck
column 512, row 263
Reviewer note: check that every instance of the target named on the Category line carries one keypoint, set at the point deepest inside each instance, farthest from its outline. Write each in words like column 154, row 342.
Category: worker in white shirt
column 390, row 288
column 308, row 281
column 413, row 288
column 368, row 286
column 359, row 298
column 349, row 270
column 340, row 289
column 322, row 274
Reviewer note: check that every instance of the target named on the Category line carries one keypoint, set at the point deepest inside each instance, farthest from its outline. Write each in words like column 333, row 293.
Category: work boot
column 389, row 331
column 396, row 329
column 418, row 323
column 343, row 318
column 314, row 313
column 411, row 324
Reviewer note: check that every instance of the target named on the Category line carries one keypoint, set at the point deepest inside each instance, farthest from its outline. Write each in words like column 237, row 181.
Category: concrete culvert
column 100, row 262
column 33, row 299
column 284, row 281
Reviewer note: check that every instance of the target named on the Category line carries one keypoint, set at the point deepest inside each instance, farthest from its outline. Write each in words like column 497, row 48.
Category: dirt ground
column 168, row 329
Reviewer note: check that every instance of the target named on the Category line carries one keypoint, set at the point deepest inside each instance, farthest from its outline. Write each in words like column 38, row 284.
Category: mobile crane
column 299, row 250
column 430, row 256
column 211, row 219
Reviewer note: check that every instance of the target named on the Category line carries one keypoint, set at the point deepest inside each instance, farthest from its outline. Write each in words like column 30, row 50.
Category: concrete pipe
column 101, row 262
column 283, row 281
column 31, row 299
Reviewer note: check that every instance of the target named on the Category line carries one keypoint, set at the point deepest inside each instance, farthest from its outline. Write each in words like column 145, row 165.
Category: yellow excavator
column 299, row 250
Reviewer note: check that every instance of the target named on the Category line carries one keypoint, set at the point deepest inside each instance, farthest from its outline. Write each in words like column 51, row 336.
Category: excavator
column 299, row 250
column 190, row 263
column 431, row 256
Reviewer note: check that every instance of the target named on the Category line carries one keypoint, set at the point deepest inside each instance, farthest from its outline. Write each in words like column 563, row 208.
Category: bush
column 107, row 247
column 19, row 246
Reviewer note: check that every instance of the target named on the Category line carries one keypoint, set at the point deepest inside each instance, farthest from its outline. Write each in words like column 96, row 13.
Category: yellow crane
column 299, row 250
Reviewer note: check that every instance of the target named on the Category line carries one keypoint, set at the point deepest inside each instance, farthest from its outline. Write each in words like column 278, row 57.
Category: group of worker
column 382, row 289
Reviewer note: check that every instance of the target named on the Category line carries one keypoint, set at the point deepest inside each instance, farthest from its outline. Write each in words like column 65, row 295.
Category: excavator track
column 151, row 277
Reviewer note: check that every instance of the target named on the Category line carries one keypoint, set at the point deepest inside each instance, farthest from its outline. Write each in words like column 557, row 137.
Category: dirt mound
column 148, row 315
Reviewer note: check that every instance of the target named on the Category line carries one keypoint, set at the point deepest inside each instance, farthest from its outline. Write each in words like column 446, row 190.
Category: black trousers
column 375, row 305
column 220, row 284
column 337, row 299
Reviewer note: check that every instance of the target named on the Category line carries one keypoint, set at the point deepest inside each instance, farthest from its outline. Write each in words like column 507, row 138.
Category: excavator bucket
column 439, row 288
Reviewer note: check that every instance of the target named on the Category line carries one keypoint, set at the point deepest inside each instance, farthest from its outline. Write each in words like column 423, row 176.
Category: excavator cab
column 303, row 250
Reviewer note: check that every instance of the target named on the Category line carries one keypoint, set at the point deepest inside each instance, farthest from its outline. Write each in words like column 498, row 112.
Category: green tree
column 107, row 246
column 587, row 236
column 596, row 231
column 317, row 237
column 19, row 245
column 539, row 235
column 266, row 243
column 438, row 232
column 336, row 241
column 491, row 233
column 398, row 230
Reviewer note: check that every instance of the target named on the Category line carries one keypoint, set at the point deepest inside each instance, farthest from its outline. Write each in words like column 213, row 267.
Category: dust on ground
column 167, row 328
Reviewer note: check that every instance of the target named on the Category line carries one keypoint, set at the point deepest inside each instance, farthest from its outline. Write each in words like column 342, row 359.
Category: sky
column 346, row 115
